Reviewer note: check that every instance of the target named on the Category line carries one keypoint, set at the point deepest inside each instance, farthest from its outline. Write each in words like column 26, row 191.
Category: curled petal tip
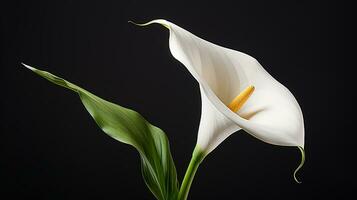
column 161, row 22
column 131, row 22
column 301, row 164
column 139, row 24
column 296, row 180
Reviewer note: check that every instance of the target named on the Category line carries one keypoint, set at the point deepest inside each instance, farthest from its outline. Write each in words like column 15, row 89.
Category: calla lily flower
column 270, row 113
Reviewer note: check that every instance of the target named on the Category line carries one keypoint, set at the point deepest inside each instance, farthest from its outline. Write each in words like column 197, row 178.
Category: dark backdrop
column 52, row 149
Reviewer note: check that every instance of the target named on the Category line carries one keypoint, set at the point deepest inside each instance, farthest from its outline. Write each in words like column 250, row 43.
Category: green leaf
column 128, row 126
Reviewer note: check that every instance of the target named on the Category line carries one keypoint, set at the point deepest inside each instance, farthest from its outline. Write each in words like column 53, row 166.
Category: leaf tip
column 28, row 67
column 300, row 165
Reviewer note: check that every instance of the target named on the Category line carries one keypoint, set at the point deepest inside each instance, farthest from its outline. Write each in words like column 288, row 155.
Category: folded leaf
column 128, row 126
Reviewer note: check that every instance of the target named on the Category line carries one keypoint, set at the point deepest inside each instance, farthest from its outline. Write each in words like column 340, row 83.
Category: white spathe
column 271, row 114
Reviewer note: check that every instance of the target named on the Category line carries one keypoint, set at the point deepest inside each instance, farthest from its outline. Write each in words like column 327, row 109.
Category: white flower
column 271, row 113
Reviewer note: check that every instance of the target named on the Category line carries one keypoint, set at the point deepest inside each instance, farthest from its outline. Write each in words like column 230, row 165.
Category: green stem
column 197, row 157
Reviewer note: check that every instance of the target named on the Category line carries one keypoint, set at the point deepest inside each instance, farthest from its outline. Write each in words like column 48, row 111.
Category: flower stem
column 197, row 157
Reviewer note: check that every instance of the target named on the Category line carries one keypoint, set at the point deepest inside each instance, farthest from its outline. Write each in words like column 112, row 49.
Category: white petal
column 214, row 126
column 271, row 114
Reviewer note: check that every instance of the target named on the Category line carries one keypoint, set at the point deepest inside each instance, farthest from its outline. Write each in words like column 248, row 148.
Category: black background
column 52, row 149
